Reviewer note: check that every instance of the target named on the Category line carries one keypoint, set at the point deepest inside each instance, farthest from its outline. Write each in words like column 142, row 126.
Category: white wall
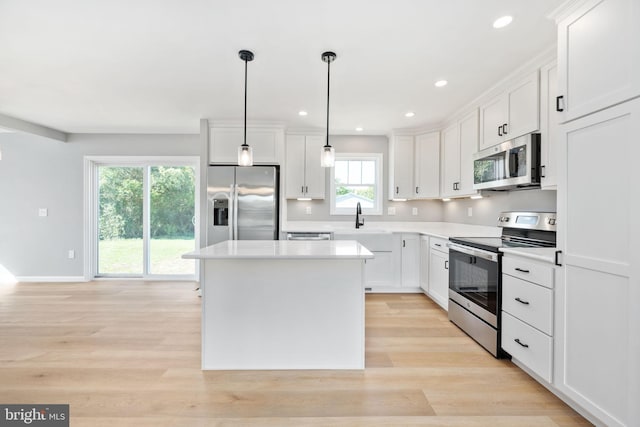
column 428, row 210
column 42, row 173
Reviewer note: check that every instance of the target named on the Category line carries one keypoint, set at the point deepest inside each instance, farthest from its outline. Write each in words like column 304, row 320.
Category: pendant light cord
column 328, row 83
column 245, row 103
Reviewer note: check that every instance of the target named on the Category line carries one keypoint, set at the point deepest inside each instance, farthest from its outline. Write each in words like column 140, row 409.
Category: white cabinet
column 597, row 316
column 305, row 178
column 438, row 288
column 427, row 166
column 511, row 114
column 549, row 126
column 459, row 143
column 410, row 260
column 598, row 56
column 267, row 144
column 414, row 166
column 401, row 161
column 527, row 313
column 424, row 264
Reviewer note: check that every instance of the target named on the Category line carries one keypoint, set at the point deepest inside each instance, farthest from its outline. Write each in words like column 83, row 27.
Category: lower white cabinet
column 527, row 314
column 410, row 260
column 438, row 286
column 380, row 271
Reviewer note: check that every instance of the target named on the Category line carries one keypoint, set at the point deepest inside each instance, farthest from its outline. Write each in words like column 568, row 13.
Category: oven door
column 474, row 281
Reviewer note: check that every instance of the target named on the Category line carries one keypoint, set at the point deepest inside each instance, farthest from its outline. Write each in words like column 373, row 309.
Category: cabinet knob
column 499, row 130
column 521, row 343
column 504, row 129
column 417, row 190
column 558, row 99
column 397, row 190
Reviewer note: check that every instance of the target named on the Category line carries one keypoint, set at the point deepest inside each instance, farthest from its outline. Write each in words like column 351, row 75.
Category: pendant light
column 245, row 154
column 328, row 155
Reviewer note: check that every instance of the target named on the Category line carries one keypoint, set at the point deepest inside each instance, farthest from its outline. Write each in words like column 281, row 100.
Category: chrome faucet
column 359, row 221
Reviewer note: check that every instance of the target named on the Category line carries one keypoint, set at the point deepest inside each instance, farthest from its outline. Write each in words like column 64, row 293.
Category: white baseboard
column 53, row 279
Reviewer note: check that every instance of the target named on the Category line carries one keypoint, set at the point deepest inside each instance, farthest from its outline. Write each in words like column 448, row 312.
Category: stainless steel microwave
column 511, row 165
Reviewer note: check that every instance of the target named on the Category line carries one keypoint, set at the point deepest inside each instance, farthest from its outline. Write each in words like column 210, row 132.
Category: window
column 356, row 178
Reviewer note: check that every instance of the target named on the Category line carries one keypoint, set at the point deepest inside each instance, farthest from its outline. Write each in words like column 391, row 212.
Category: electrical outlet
column 308, row 210
column 414, row 211
column 391, row 210
column 43, row 212
column 469, row 211
column 71, row 254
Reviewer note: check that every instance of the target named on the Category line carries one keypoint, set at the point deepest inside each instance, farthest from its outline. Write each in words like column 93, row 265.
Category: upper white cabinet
column 598, row 56
column 513, row 113
column 459, row 143
column 427, row 166
column 266, row 142
column 549, row 126
column 305, row 178
column 401, row 167
column 414, row 166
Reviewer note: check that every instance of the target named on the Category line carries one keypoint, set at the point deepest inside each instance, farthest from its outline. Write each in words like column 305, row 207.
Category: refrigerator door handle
column 235, row 212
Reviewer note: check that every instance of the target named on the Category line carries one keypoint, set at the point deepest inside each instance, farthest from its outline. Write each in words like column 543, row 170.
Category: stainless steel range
column 475, row 273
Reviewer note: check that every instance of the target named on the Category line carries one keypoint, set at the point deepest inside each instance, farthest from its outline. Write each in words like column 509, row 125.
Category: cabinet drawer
column 439, row 244
column 528, row 302
column 530, row 270
column 532, row 348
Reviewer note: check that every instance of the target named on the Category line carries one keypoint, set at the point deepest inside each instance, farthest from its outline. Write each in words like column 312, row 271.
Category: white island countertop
column 285, row 249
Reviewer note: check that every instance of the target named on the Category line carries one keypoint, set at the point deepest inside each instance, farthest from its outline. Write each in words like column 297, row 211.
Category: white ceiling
column 161, row 65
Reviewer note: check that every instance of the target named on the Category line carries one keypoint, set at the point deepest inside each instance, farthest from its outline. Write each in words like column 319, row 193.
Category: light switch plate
column 71, row 254
column 308, row 210
column 469, row 211
column 414, row 211
column 43, row 212
column 391, row 210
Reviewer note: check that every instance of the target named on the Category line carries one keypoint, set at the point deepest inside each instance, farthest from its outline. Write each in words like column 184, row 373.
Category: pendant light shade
column 328, row 155
column 245, row 154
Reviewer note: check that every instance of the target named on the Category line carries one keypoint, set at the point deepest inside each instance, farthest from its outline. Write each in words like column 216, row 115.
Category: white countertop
column 540, row 254
column 437, row 229
column 261, row 249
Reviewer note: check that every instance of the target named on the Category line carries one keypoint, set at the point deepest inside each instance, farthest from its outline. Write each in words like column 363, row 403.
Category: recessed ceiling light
column 410, row 114
column 502, row 21
column 441, row 83
column 302, row 113
column 359, row 129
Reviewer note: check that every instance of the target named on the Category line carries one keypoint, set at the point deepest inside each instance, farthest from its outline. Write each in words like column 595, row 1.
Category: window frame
column 377, row 209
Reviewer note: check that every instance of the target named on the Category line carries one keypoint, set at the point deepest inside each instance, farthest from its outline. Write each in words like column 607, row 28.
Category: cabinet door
column 548, row 125
column 379, row 271
column 493, row 115
column 410, row 261
column 451, row 161
column 424, row 263
column 597, row 310
column 598, row 56
column 224, row 143
column 427, row 166
column 314, row 173
column 294, row 167
column 524, row 107
column 401, row 172
column 439, row 277
column 468, row 147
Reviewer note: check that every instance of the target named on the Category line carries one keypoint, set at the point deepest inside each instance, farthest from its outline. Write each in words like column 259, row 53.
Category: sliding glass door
column 145, row 220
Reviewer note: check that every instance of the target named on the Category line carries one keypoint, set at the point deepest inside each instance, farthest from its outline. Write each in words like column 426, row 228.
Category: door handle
column 302, row 189
column 504, row 129
column 521, row 301
column 558, row 99
column 446, row 265
column 542, row 171
column 521, row 343
column 499, row 130
column 522, row 270
column 306, row 189
column 404, row 244
column 397, row 190
column 417, row 190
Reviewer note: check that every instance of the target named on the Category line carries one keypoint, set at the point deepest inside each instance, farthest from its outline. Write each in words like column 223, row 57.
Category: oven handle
column 490, row 256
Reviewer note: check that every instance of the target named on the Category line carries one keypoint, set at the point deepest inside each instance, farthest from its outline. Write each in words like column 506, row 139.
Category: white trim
column 90, row 215
column 53, row 279
column 13, row 123
column 379, row 159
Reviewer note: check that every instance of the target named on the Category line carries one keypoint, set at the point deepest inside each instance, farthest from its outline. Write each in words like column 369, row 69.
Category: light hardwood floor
column 128, row 354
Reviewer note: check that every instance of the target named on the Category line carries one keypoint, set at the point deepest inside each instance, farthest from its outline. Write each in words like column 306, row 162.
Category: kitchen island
column 282, row 304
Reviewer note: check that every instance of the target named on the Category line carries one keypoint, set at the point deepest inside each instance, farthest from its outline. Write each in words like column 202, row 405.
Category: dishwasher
column 309, row 236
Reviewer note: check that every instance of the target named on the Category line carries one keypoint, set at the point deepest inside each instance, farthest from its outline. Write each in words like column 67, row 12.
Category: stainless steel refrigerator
column 242, row 203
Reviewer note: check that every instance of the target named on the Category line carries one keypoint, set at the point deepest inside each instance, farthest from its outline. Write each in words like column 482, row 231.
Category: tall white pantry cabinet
column 597, row 358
